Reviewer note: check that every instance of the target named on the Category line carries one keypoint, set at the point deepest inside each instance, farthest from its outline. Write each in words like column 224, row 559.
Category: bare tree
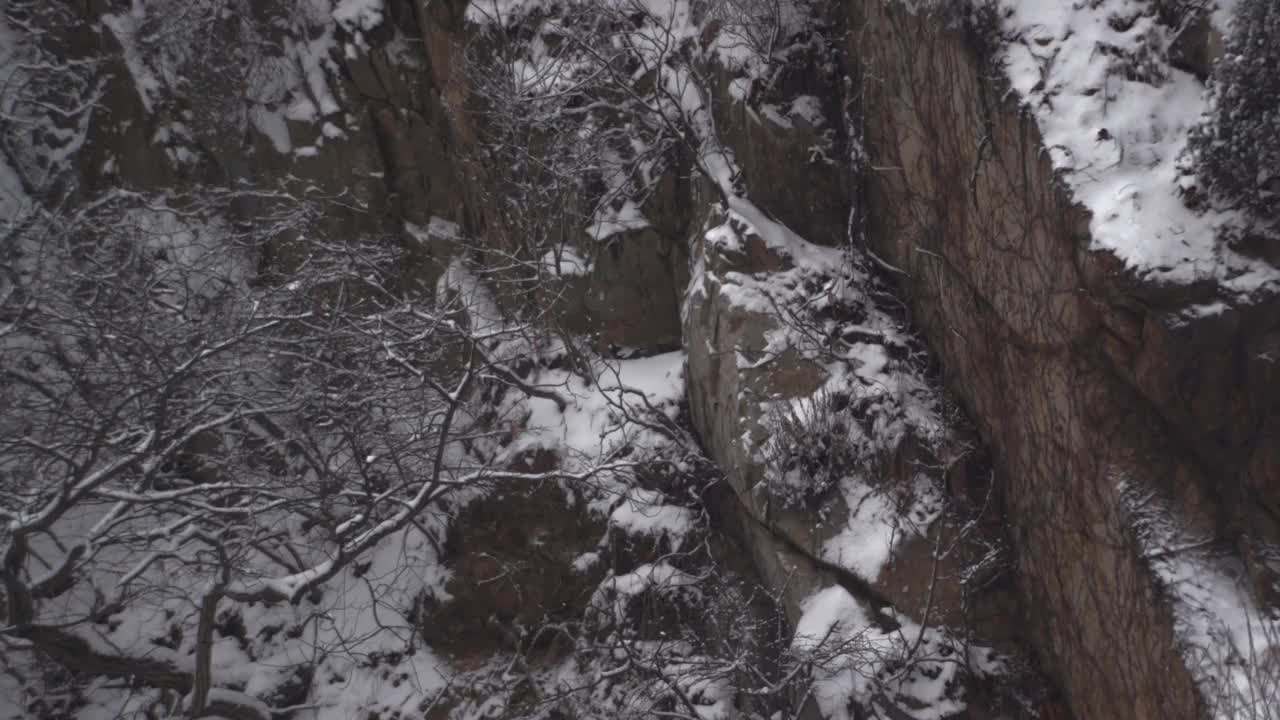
column 172, row 425
column 584, row 111
column 190, row 428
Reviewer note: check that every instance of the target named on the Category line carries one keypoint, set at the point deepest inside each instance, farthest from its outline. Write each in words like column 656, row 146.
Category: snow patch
column 610, row 221
column 613, row 595
column 566, row 263
column 643, row 512
column 876, row 525
column 911, row 670
column 596, row 422
column 358, row 17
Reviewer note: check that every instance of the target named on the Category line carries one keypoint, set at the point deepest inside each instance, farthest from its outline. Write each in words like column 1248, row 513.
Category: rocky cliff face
column 1096, row 391
column 1038, row 448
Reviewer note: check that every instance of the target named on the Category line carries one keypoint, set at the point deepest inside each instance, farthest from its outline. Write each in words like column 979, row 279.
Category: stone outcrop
column 729, row 405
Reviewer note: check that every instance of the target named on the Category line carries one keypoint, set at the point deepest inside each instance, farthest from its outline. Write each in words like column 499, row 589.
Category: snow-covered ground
column 1115, row 117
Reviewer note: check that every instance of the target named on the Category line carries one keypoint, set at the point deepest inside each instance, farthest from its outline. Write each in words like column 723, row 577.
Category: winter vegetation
column 1234, row 149
column 271, row 451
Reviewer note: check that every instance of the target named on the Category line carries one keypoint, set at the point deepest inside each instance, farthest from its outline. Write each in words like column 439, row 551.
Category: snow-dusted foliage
column 849, row 430
column 1237, row 150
